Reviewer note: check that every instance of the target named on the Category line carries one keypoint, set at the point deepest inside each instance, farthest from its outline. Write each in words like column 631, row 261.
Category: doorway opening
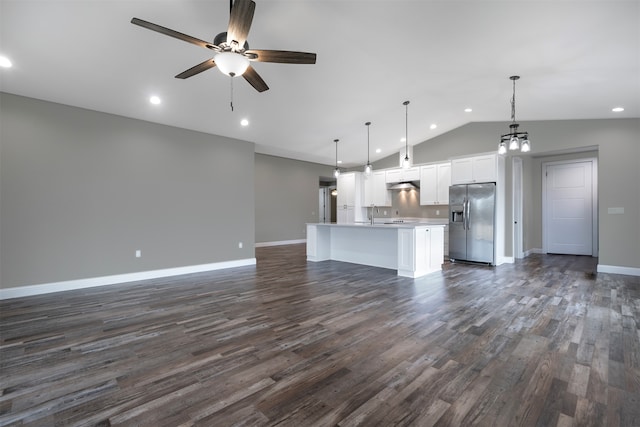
column 327, row 201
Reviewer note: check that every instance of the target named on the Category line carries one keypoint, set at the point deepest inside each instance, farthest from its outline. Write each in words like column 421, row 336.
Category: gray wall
column 286, row 197
column 81, row 191
column 618, row 150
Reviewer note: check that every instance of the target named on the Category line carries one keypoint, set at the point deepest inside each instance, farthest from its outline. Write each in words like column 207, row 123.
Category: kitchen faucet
column 372, row 217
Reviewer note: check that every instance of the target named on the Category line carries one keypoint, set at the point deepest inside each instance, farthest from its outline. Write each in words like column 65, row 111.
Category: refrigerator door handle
column 468, row 215
column 465, row 206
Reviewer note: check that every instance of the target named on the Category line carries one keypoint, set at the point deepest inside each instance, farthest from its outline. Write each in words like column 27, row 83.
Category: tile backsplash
column 406, row 204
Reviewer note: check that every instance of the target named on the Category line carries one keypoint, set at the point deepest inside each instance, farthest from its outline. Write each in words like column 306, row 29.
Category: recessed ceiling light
column 244, row 122
column 155, row 100
column 5, row 62
column 403, row 139
column 339, row 161
column 617, row 109
column 378, row 150
column 433, row 126
column 468, row 110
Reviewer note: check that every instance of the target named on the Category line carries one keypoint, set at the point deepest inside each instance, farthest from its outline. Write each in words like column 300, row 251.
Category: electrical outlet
column 437, row 211
column 138, row 253
column 239, row 245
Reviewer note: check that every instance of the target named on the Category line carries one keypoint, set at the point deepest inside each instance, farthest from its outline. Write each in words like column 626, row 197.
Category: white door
column 568, row 210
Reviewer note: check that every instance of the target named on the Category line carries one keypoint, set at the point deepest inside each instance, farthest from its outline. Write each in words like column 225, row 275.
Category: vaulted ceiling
column 576, row 59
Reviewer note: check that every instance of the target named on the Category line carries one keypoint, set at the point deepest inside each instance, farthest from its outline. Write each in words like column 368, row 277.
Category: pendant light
column 516, row 140
column 406, row 162
column 368, row 168
column 336, row 172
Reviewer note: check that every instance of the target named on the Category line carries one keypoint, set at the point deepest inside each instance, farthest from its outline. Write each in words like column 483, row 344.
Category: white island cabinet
column 414, row 250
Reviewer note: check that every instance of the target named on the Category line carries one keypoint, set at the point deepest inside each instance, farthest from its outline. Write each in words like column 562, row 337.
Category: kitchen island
column 413, row 249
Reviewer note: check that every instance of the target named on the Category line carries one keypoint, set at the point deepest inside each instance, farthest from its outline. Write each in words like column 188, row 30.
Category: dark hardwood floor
column 543, row 342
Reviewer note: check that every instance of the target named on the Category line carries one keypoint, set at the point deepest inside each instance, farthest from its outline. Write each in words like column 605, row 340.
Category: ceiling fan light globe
column 514, row 143
column 232, row 64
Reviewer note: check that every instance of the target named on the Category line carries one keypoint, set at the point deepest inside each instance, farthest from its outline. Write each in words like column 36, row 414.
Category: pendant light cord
column 513, row 103
column 231, row 93
column 367, row 124
column 406, row 128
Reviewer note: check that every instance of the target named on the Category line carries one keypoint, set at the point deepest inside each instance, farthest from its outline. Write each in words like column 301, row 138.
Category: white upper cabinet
column 444, row 182
column 483, row 168
column 435, row 180
column 346, row 185
column 349, row 200
column 375, row 190
column 402, row 175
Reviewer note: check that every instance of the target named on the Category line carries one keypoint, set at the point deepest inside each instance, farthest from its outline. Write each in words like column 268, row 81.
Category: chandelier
column 516, row 140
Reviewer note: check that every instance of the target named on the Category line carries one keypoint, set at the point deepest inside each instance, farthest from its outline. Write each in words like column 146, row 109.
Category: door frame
column 517, row 211
column 594, row 200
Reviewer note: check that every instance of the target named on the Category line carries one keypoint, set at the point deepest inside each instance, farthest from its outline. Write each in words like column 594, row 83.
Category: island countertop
column 412, row 248
column 382, row 224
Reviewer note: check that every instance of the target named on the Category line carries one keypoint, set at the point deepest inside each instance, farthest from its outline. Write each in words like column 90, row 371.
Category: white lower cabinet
column 345, row 215
column 420, row 251
column 406, row 249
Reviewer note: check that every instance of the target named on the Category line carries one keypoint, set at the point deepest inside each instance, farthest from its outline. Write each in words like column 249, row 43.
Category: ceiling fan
column 232, row 53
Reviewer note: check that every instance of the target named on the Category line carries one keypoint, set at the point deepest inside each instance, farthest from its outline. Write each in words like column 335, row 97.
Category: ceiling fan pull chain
column 231, row 93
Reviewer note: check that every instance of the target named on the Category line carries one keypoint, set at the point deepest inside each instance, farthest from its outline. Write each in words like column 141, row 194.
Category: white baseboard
column 615, row 269
column 280, row 243
column 533, row 251
column 505, row 260
column 25, row 291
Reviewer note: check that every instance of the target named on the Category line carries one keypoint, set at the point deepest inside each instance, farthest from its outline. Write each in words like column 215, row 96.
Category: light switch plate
column 615, row 211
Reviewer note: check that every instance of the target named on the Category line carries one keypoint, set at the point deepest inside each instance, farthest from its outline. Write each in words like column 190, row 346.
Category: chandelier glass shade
column 515, row 139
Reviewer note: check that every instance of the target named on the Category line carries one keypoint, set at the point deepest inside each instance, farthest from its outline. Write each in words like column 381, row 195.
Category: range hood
column 407, row 185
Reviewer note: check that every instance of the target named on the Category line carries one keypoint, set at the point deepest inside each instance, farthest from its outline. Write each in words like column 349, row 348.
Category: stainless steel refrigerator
column 471, row 222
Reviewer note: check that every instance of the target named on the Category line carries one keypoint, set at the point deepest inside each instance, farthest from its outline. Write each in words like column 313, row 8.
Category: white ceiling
column 577, row 59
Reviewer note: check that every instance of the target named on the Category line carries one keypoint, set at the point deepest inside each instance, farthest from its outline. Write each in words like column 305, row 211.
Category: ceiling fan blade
column 168, row 32
column 203, row 66
column 240, row 21
column 282, row 56
column 254, row 79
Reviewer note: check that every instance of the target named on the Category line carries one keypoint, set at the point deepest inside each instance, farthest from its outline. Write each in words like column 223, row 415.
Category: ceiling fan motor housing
column 221, row 41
